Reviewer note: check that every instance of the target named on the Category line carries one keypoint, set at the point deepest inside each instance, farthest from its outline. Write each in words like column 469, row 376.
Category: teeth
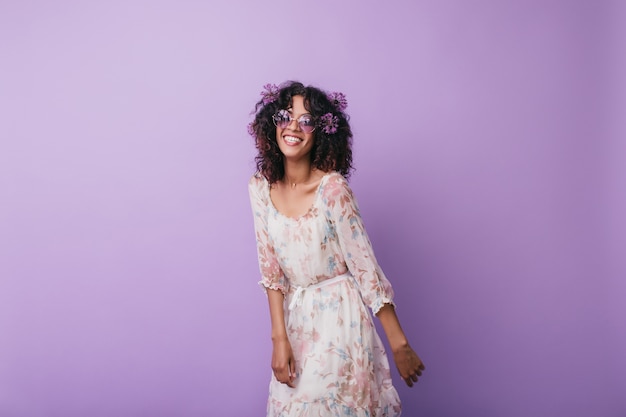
column 292, row 139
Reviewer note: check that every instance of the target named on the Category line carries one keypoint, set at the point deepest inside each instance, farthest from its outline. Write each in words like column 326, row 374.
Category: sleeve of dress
column 271, row 274
column 343, row 213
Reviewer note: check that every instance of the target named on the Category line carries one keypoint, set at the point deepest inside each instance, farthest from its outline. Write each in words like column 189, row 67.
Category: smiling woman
column 331, row 149
column 317, row 265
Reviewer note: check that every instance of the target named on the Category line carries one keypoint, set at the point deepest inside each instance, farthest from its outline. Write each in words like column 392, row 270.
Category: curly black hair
column 330, row 152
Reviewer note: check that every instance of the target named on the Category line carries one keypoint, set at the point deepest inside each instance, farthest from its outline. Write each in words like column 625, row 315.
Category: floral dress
column 324, row 264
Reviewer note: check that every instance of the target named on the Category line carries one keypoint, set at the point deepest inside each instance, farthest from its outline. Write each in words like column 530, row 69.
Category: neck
column 297, row 173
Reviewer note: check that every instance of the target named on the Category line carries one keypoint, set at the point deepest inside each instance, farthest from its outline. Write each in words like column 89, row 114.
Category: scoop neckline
column 311, row 207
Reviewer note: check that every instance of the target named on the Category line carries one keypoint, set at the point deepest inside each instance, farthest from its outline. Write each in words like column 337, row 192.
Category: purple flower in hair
column 269, row 93
column 338, row 100
column 329, row 123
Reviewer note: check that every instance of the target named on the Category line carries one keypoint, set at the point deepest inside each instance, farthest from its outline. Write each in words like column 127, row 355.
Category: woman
column 317, row 264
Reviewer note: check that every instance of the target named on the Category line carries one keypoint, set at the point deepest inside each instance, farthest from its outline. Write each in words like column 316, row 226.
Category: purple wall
column 490, row 171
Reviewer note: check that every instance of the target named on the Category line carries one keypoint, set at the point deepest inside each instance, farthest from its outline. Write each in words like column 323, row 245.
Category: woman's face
column 293, row 142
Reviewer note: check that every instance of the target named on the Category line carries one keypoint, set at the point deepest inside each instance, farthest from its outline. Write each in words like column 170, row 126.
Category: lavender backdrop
column 489, row 141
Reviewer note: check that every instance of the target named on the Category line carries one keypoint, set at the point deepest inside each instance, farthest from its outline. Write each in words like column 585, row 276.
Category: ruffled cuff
column 379, row 303
column 272, row 285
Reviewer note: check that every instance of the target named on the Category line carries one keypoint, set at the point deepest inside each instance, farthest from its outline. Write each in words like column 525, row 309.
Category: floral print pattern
column 341, row 365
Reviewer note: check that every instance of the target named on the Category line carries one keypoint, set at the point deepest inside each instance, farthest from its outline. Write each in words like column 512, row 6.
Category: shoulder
column 257, row 180
column 334, row 181
column 257, row 184
column 335, row 187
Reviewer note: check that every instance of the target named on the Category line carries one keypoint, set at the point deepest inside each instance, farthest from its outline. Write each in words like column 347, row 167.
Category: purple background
column 489, row 148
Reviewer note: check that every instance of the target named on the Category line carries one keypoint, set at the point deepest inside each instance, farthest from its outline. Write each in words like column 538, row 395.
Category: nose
column 291, row 121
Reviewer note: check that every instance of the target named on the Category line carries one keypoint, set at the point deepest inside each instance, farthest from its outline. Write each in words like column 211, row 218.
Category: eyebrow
column 290, row 111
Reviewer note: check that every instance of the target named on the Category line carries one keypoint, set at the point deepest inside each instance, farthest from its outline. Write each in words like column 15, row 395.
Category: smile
column 291, row 140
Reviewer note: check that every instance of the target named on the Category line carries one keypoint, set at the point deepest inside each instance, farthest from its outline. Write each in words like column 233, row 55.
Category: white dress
column 324, row 264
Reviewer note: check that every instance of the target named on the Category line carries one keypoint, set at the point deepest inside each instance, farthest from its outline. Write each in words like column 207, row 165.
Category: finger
column 280, row 377
column 292, row 373
column 282, row 374
column 414, row 378
column 292, row 368
column 285, row 380
column 409, row 382
column 289, row 382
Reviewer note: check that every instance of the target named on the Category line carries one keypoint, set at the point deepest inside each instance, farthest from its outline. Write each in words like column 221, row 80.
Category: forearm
column 410, row 366
column 277, row 314
column 283, row 362
column 391, row 325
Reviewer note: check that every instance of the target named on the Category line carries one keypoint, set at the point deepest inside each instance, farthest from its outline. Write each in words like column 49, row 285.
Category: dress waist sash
column 296, row 299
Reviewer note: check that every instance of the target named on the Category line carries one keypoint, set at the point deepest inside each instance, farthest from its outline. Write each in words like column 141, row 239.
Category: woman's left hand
column 409, row 364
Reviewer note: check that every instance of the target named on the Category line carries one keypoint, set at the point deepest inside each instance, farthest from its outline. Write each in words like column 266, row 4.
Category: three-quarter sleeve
column 343, row 213
column 272, row 275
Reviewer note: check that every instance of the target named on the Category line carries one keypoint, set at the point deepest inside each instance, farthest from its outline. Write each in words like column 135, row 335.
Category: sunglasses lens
column 307, row 124
column 281, row 118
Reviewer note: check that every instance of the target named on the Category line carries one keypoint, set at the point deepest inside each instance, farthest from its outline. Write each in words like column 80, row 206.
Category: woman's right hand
column 283, row 362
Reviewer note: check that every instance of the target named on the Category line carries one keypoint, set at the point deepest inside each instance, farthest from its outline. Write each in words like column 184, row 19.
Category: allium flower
column 329, row 123
column 269, row 93
column 338, row 100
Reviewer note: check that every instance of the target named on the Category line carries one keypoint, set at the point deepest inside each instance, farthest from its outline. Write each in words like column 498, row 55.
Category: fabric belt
column 296, row 300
